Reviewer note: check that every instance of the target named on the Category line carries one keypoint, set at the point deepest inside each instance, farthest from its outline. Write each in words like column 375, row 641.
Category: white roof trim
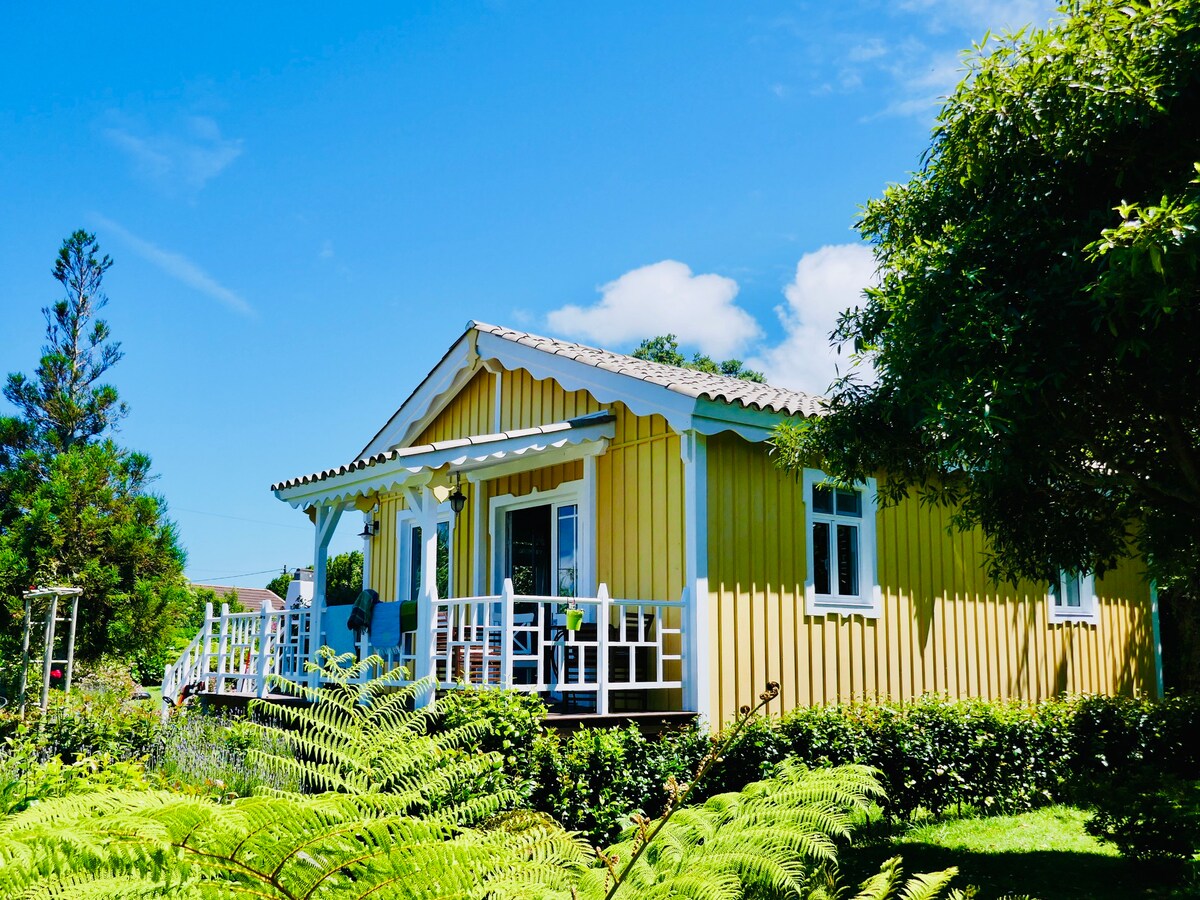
column 643, row 398
column 392, row 470
column 448, row 377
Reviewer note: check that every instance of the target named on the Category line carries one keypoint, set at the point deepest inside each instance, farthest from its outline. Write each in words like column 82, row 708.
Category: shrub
column 1149, row 816
column 96, row 718
column 595, row 779
column 511, row 722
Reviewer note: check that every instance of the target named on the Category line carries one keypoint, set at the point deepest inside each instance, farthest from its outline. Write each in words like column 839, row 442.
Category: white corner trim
column 693, row 447
column 869, row 603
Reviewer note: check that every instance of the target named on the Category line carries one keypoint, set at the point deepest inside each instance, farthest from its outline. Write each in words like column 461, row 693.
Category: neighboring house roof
column 252, row 599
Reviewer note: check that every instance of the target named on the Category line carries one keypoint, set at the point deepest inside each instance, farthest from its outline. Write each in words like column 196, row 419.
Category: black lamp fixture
column 457, row 498
column 370, row 529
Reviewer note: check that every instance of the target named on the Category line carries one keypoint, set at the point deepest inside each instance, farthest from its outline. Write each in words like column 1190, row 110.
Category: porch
column 585, row 656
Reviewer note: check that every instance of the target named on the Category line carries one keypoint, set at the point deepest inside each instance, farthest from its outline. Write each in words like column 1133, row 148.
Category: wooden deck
column 566, row 722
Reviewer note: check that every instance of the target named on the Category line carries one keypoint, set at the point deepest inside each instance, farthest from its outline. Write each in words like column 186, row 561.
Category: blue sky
column 306, row 203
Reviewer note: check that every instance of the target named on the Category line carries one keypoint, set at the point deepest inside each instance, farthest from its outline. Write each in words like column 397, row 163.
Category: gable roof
column 687, row 398
column 688, row 382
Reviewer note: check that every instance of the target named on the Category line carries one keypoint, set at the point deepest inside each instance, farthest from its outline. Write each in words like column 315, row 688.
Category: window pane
column 568, row 521
column 821, row 557
column 847, row 560
column 414, row 568
column 1072, row 590
column 849, row 503
column 822, row 499
column 443, row 559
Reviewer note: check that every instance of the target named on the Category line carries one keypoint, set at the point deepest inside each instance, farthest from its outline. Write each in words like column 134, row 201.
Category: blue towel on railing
column 385, row 626
column 338, row 633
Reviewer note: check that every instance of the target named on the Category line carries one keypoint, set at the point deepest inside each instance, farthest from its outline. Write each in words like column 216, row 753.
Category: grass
column 1044, row 854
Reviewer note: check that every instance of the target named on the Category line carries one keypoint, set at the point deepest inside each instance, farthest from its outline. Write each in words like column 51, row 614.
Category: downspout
column 1156, row 629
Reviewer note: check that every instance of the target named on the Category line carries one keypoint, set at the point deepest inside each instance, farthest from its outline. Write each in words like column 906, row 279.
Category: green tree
column 1035, row 335
column 343, row 577
column 279, row 584
column 665, row 349
column 76, row 509
column 91, row 522
column 65, row 402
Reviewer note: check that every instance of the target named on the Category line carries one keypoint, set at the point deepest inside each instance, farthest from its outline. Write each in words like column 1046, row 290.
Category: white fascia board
column 713, row 416
column 453, row 371
column 641, row 397
column 395, row 473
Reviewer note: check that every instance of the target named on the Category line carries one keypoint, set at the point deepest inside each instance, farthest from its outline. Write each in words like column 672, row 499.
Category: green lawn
column 1044, row 854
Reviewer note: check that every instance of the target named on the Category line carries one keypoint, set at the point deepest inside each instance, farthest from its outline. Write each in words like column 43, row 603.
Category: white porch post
column 696, row 675
column 327, row 519
column 424, row 504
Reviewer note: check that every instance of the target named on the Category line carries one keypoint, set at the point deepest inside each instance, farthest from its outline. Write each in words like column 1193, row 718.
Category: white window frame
column 569, row 493
column 406, row 520
column 869, row 601
column 1088, row 610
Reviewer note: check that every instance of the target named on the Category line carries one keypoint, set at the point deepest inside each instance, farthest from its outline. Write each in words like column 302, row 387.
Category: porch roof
column 391, row 469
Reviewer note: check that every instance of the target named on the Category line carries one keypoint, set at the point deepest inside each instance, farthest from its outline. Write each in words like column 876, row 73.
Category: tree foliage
column 75, row 508
column 665, row 349
column 91, row 522
column 1035, row 334
column 65, row 403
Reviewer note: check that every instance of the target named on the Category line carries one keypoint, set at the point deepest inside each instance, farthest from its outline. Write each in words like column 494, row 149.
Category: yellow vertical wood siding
column 945, row 626
column 525, row 401
column 469, row 412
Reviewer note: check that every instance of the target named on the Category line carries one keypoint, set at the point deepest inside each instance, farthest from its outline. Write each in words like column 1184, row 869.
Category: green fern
column 361, row 735
column 766, row 841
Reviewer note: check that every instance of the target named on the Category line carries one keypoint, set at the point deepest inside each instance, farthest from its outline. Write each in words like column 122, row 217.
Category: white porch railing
column 523, row 642
column 504, row 640
column 238, row 652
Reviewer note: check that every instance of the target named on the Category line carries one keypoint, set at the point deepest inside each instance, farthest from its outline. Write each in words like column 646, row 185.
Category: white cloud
column 663, row 298
column 183, row 159
column 326, row 251
column 180, row 268
column 981, row 15
column 913, row 76
column 827, row 282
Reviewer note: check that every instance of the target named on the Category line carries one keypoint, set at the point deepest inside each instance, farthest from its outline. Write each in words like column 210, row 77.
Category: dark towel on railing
column 360, row 616
column 408, row 616
column 385, row 626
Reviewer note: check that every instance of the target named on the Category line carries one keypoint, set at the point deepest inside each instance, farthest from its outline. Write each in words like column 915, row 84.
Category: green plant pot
column 574, row 619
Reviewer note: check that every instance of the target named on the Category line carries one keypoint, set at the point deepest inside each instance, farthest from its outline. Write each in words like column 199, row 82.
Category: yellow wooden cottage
column 613, row 534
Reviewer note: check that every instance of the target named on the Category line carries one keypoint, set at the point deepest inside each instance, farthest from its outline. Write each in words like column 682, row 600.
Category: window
column 1073, row 598
column 409, row 575
column 841, row 547
column 541, row 542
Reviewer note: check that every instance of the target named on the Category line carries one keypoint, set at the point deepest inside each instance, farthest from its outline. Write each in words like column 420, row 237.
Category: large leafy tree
column 665, row 349
column 1035, row 334
column 75, row 508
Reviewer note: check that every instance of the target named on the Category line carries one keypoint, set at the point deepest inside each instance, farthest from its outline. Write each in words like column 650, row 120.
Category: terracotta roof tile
column 688, row 382
column 252, row 599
